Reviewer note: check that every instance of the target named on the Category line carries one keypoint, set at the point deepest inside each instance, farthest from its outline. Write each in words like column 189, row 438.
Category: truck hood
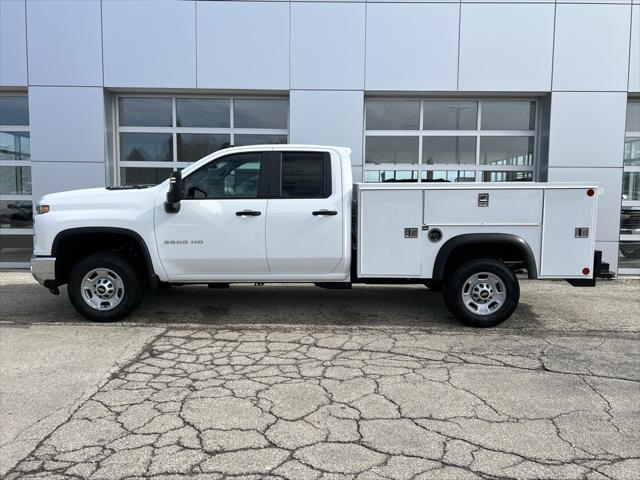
column 92, row 198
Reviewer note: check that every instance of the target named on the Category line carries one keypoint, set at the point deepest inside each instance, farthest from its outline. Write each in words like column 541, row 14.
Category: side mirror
column 175, row 193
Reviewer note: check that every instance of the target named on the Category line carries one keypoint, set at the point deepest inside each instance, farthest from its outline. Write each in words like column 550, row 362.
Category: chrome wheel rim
column 483, row 293
column 102, row 289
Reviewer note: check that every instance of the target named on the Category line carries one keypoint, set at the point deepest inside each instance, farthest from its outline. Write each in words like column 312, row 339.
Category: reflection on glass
column 230, row 176
column 203, row 112
column 629, row 254
column 391, row 150
column 508, row 176
column 16, row 248
column 260, row 113
column 144, row 112
column 449, row 176
column 506, row 151
column 194, row 146
column 15, row 146
column 16, row 214
column 393, row 115
column 15, row 180
column 508, row 115
column 632, row 151
column 240, row 140
column 302, row 175
column 631, row 186
column 450, row 115
column 630, row 221
column 390, row 176
column 633, row 116
column 457, row 150
column 14, row 110
column 143, row 176
column 152, row 147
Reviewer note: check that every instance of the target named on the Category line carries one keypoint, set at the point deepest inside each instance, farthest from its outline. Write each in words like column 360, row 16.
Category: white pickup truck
column 290, row 213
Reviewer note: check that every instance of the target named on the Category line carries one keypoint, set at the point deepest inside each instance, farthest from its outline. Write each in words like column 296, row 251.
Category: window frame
column 174, row 130
column 478, row 134
column 275, row 183
column 17, row 163
column 263, row 178
column 635, row 134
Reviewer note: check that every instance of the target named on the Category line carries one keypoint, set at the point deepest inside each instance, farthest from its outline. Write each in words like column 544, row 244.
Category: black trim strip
column 153, row 278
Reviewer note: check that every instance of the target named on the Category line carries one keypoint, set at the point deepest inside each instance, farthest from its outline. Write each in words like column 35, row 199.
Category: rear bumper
column 600, row 270
column 43, row 270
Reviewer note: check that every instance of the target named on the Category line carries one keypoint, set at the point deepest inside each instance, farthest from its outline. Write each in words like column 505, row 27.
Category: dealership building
column 107, row 92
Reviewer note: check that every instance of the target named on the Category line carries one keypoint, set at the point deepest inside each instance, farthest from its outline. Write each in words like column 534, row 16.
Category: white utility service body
column 290, row 213
column 544, row 215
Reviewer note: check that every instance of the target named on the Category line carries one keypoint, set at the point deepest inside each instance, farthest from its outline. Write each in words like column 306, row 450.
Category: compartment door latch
column 483, row 199
column 410, row 233
column 582, row 232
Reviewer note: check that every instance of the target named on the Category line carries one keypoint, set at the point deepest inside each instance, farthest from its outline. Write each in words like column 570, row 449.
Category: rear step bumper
column 600, row 270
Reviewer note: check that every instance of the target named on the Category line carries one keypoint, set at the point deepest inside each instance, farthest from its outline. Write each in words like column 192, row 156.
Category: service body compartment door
column 389, row 233
column 566, row 251
column 478, row 206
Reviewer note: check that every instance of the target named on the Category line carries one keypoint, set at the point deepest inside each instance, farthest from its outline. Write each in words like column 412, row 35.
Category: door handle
column 325, row 212
column 248, row 213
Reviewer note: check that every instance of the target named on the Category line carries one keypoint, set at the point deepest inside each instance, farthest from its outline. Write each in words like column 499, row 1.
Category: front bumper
column 43, row 270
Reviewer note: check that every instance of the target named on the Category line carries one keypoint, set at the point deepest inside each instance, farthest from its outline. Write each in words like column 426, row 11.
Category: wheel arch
column 107, row 234
column 476, row 245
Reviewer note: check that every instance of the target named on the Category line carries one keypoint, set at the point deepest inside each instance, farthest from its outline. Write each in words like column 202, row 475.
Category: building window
column 16, row 201
column 160, row 134
column 449, row 140
column 629, row 257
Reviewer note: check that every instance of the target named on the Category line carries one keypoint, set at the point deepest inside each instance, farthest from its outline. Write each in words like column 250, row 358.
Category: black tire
column 457, row 284
column 131, row 291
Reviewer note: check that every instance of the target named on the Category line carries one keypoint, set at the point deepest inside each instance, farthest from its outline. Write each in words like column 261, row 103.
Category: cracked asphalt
column 285, row 387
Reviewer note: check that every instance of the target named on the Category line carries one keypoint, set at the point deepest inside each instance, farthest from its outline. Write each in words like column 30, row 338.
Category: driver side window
column 234, row 176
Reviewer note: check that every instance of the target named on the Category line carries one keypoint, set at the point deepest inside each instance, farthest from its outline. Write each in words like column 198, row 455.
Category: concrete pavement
column 377, row 383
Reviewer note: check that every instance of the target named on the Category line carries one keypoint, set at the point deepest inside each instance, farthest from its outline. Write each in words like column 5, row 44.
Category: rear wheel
column 104, row 288
column 482, row 293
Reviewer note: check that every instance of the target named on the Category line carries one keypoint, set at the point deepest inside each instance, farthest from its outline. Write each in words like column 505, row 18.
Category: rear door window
column 305, row 175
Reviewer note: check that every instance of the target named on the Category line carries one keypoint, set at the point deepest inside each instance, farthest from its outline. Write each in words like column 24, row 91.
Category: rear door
column 304, row 214
column 568, row 235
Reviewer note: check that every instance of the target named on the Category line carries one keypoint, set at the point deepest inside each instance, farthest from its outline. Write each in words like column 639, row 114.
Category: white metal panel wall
column 149, row 44
column 68, row 50
column 488, row 62
column 558, row 235
column 327, row 45
column 456, row 206
column 587, row 129
column 67, row 124
column 329, row 117
column 13, row 44
column 243, row 45
column 51, row 177
column 634, row 56
column 383, row 249
column 591, row 49
column 412, row 46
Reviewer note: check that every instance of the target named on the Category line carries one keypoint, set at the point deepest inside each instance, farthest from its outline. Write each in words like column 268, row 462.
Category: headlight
column 42, row 209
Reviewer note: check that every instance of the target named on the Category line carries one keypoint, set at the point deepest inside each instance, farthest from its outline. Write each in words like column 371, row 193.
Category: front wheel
column 482, row 293
column 104, row 288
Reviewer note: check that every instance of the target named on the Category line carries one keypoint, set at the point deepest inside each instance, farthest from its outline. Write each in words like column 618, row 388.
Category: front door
column 219, row 232
column 305, row 214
